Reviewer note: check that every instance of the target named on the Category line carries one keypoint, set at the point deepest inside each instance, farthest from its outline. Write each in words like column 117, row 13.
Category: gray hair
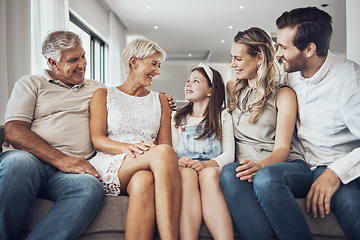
column 140, row 48
column 58, row 42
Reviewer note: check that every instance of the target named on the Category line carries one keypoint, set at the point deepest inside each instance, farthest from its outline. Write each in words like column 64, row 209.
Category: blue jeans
column 276, row 186
column 345, row 205
column 78, row 197
column 248, row 217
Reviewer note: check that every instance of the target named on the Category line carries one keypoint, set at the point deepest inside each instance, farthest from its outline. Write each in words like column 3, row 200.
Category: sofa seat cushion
column 328, row 226
column 111, row 219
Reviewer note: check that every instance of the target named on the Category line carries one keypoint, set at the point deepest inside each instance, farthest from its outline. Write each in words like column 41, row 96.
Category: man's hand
column 321, row 192
column 77, row 165
column 171, row 100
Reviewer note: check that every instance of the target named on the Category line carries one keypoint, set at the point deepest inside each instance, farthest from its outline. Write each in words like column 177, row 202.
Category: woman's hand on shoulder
column 171, row 101
column 164, row 135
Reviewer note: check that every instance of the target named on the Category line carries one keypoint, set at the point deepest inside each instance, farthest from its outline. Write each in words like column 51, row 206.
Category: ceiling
column 205, row 28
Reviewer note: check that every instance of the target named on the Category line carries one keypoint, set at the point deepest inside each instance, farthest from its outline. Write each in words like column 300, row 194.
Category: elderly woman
column 125, row 121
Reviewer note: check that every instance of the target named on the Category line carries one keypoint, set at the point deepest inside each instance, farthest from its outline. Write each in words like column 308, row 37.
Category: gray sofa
column 109, row 224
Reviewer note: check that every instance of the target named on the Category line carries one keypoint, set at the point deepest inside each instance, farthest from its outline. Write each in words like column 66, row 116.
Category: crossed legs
column 158, row 169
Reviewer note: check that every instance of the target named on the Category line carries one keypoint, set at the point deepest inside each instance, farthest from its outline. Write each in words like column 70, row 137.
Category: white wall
column 94, row 12
column 353, row 30
column 4, row 95
column 173, row 77
column 117, row 42
column 15, row 49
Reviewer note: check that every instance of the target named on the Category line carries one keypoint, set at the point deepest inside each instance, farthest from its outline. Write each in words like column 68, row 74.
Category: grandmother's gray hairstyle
column 58, row 42
column 140, row 48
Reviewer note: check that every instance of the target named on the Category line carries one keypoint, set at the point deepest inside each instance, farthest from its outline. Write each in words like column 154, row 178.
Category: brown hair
column 212, row 118
column 312, row 25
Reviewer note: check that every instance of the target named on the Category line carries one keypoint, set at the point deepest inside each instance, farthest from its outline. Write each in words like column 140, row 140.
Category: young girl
column 203, row 138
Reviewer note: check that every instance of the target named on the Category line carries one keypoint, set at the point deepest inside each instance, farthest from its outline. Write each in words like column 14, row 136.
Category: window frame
column 94, row 40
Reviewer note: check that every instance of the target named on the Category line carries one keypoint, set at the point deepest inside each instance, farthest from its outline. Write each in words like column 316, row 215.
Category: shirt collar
column 47, row 76
column 319, row 75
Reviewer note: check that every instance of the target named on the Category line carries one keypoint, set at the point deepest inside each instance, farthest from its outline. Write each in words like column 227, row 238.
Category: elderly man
column 328, row 94
column 47, row 146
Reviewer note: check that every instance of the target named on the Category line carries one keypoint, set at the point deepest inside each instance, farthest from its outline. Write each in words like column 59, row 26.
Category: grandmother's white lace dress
column 130, row 119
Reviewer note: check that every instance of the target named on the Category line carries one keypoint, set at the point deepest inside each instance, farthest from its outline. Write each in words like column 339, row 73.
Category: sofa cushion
column 2, row 136
column 328, row 226
column 112, row 216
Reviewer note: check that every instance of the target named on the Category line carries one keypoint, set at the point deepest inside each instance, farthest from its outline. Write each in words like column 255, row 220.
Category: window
column 95, row 49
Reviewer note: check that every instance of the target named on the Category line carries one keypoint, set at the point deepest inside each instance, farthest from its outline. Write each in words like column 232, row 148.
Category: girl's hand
column 247, row 170
column 140, row 148
column 184, row 161
column 196, row 165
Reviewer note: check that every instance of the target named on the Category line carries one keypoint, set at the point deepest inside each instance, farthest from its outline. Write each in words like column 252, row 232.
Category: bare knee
column 165, row 151
column 209, row 175
column 142, row 184
column 188, row 176
column 164, row 156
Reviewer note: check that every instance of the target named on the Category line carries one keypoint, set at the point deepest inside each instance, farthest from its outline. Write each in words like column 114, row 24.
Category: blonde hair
column 140, row 48
column 257, row 42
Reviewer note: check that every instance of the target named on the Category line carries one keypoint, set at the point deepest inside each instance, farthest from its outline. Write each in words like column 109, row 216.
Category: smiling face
column 148, row 68
column 293, row 59
column 197, row 88
column 244, row 64
column 71, row 68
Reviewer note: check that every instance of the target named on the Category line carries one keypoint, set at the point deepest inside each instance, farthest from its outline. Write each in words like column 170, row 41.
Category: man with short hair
column 328, row 127
column 47, row 146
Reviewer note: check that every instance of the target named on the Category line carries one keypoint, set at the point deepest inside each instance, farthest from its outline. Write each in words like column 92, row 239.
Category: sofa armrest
column 2, row 136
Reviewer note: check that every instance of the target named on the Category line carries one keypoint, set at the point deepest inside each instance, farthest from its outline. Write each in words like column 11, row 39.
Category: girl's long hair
column 212, row 116
column 257, row 41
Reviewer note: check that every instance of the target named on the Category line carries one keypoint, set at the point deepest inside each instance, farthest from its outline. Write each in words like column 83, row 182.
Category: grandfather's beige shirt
column 59, row 114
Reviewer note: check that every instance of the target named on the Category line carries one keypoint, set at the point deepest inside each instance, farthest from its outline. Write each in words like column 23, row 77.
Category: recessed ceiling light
column 156, row 27
column 148, row 7
column 189, row 55
column 230, row 27
column 241, row 7
column 222, row 41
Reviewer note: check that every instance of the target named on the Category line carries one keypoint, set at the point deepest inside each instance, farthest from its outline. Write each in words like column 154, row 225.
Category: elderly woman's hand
column 140, row 148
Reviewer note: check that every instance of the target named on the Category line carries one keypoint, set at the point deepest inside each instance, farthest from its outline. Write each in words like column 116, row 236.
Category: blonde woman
column 124, row 121
column 264, row 114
